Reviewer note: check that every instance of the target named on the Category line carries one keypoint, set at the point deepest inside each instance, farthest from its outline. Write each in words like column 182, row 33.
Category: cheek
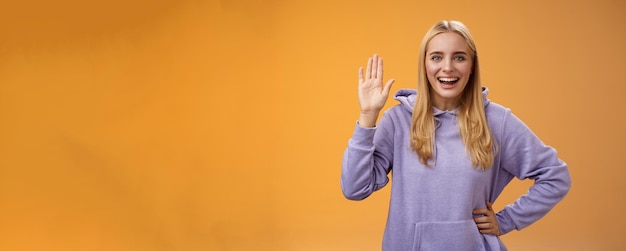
column 466, row 69
column 430, row 71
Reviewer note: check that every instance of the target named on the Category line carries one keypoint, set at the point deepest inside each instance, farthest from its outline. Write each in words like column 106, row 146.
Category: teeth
column 448, row 79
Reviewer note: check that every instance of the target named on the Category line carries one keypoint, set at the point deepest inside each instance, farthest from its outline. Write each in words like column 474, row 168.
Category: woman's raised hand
column 372, row 93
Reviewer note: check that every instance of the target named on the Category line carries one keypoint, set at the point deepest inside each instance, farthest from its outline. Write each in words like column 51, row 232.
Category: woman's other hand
column 486, row 220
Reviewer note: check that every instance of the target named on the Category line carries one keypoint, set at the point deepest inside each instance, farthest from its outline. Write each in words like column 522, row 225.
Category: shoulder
column 397, row 116
column 496, row 113
column 503, row 122
column 495, row 108
column 398, row 110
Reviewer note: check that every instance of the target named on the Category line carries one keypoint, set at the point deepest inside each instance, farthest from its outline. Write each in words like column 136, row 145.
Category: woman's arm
column 525, row 156
column 367, row 160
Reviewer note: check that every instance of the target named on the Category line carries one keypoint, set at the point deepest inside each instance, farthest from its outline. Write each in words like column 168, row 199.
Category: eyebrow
column 454, row 53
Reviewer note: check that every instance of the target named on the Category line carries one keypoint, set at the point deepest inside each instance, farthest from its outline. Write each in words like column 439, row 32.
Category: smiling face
column 448, row 66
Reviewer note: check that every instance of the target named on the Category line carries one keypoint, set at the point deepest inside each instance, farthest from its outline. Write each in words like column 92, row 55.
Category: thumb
column 489, row 205
column 388, row 86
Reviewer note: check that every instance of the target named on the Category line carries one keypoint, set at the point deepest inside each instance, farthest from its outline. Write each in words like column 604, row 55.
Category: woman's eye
column 459, row 58
column 436, row 58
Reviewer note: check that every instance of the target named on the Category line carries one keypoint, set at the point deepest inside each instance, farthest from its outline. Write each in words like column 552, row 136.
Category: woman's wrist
column 368, row 119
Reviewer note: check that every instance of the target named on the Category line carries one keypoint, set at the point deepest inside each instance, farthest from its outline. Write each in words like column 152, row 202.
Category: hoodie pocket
column 455, row 235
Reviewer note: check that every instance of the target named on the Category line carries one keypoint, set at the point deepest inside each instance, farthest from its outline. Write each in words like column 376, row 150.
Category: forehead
column 447, row 42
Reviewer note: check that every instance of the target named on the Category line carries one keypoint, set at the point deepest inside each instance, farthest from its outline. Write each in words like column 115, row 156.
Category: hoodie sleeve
column 367, row 160
column 525, row 156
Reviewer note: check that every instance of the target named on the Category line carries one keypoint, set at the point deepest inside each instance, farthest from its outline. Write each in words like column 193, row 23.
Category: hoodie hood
column 407, row 98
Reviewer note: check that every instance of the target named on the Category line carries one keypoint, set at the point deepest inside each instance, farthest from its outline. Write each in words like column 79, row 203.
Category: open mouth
column 448, row 82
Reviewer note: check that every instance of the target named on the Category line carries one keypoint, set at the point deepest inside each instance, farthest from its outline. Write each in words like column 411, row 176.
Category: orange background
column 220, row 125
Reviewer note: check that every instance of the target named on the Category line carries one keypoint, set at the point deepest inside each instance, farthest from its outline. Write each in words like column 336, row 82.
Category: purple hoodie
column 431, row 207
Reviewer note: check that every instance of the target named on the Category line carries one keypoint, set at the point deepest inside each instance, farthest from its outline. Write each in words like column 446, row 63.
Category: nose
column 447, row 66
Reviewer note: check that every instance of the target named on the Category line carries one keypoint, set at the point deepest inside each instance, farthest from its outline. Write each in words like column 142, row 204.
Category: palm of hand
column 372, row 93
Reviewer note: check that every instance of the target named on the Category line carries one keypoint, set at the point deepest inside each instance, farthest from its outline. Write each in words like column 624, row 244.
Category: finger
column 480, row 211
column 488, row 231
column 379, row 68
column 368, row 71
column 489, row 205
column 485, row 226
column 480, row 220
column 483, row 220
column 375, row 66
column 360, row 74
column 388, row 86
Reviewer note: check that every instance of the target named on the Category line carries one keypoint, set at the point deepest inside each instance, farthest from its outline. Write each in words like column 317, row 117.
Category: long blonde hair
column 474, row 130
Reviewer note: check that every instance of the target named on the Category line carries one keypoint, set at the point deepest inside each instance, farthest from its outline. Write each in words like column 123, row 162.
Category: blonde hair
column 474, row 130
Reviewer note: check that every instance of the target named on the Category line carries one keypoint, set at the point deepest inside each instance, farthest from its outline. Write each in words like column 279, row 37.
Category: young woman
column 452, row 152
